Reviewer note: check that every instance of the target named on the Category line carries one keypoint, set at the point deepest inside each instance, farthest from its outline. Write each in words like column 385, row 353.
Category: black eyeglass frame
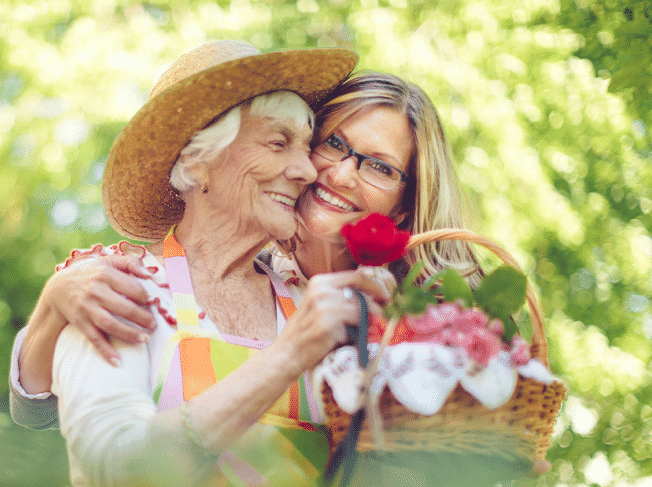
column 361, row 157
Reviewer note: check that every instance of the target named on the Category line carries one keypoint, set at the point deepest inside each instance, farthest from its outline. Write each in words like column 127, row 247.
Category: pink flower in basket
column 448, row 313
column 428, row 326
column 450, row 337
column 470, row 319
column 496, row 327
column 520, row 351
column 453, row 326
column 481, row 345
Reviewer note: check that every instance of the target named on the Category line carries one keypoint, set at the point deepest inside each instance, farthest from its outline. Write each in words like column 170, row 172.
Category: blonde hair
column 432, row 197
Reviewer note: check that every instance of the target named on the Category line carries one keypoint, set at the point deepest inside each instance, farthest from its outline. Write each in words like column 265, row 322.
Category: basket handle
column 539, row 345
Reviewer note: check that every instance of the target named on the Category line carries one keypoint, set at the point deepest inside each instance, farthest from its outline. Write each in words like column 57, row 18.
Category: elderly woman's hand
column 381, row 275
column 319, row 324
column 96, row 294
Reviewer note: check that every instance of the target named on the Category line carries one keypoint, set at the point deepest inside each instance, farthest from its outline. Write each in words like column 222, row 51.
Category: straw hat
column 205, row 82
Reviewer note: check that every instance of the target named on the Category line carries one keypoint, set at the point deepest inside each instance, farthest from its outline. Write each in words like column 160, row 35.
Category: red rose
column 375, row 240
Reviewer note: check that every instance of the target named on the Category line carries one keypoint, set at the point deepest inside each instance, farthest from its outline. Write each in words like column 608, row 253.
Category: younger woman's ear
column 398, row 218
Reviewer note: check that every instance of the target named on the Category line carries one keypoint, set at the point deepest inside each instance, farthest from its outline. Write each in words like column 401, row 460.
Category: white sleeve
column 103, row 410
column 108, row 418
column 36, row 411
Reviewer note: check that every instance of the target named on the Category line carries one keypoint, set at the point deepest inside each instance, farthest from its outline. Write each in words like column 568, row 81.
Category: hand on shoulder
column 97, row 294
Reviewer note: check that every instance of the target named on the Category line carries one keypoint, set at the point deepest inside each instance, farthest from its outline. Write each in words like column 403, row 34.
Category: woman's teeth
column 286, row 200
column 333, row 200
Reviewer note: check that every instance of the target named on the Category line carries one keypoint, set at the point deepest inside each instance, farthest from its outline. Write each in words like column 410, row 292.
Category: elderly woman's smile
column 283, row 199
column 263, row 172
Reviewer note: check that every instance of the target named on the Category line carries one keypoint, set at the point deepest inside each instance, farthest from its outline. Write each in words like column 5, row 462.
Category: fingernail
column 143, row 337
column 115, row 361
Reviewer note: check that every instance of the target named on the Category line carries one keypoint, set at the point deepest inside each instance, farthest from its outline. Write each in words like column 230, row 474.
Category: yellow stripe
column 184, row 301
column 187, row 316
column 282, row 463
column 280, row 421
column 226, row 357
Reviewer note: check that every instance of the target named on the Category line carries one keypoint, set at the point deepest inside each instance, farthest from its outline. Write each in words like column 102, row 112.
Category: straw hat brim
column 138, row 199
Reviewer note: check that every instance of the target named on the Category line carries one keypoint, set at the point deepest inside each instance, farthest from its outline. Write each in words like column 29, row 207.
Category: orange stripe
column 196, row 367
column 287, row 305
column 172, row 248
column 294, row 401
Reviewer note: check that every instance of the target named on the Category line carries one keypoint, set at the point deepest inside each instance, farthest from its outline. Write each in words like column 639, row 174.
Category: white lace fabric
column 421, row 376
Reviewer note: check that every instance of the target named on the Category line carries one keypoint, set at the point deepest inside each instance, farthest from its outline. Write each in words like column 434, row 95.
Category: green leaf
column 631, row 76
column 510, row 328
column 502, row 292
column 640, row 26
column 454, row 287
column 412, row 300
column 412, row 275
column 417, row 300
column 431, row 281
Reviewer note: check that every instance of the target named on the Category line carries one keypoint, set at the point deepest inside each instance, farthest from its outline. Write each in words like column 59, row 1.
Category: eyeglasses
column 374, row 171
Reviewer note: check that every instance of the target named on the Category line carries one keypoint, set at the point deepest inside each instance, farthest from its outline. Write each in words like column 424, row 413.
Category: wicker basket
column 518, row 431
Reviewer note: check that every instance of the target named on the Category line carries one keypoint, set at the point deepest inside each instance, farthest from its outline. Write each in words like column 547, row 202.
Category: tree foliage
column 617, row 39
column 547, row 107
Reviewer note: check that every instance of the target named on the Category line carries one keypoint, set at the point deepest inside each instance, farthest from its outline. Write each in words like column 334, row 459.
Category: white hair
column 207, row 144
column 283, row 105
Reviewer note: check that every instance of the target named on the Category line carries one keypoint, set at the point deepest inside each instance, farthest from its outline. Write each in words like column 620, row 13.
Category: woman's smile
column 340, row 195
column 323, row 196
column 285, row 200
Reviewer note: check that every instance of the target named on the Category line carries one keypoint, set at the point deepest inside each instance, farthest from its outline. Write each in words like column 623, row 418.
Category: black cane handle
column 345, row 454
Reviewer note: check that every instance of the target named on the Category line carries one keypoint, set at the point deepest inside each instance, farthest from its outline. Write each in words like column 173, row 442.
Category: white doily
column 422, row 375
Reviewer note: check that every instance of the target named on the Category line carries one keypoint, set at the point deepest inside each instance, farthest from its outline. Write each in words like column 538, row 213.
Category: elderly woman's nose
column 302, row 168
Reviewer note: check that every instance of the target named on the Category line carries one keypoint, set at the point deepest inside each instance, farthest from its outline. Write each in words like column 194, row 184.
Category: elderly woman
column 405, row 172
column 226, row 374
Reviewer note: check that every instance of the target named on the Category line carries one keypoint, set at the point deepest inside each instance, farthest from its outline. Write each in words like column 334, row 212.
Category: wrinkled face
column 339, row 195
column 259, row 177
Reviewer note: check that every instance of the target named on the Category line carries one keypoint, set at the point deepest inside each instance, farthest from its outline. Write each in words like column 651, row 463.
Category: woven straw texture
column 138, row 199
column 518, row 430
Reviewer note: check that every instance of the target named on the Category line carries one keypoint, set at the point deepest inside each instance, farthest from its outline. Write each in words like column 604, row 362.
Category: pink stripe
column 315, row 417
column 178, row 275
column 172, row 393
column 277, row 281
column 246, row 342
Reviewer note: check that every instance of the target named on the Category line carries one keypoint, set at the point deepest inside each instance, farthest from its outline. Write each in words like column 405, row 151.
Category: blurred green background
column 548, row 107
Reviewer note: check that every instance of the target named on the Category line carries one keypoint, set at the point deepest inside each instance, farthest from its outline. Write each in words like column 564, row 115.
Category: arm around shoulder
column 37, row 350
column 34, row 411
column 92, row 294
